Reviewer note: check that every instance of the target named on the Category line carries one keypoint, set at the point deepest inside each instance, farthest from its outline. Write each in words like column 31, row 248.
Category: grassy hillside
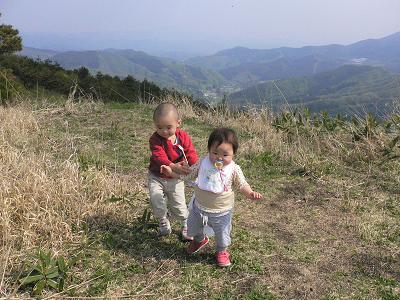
column 74, row 182
column 346, row 90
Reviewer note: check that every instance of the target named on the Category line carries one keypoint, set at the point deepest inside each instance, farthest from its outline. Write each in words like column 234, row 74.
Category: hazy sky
column 202, row 25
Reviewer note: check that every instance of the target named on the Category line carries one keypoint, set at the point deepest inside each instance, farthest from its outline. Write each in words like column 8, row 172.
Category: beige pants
column 167, row 194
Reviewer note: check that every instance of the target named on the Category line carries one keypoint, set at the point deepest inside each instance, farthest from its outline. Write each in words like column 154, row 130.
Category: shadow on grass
column 118, row 236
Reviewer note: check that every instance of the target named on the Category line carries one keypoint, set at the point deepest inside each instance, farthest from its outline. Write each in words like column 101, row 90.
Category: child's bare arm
column 249, row 193
column 193, row 171
column 180, row 168
column 167, row 170
column 243, row 186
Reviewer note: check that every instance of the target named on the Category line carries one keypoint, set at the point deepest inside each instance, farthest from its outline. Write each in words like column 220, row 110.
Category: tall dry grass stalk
column 44, row 200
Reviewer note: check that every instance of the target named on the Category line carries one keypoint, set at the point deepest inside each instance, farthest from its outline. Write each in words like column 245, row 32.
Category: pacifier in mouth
column 219, row 163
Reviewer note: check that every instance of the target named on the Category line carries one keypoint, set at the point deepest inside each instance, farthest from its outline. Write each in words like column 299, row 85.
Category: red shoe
column 222, row 258
column 196, row 246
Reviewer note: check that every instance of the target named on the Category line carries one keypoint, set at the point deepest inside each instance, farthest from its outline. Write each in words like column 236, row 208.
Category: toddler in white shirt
column 214, row 198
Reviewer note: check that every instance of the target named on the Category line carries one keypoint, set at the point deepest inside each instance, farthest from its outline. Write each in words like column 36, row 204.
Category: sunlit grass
column 327, row 229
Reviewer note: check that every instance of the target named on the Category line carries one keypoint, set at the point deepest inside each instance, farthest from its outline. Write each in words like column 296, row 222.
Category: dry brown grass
column 43, row 199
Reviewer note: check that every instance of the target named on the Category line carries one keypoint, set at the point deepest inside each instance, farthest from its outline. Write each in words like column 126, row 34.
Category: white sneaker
column 165, row 227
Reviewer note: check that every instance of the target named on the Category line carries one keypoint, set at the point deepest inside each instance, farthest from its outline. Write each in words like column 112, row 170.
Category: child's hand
column 249, row 193
column 166, row 170
column 255, row 196
column 181, row 168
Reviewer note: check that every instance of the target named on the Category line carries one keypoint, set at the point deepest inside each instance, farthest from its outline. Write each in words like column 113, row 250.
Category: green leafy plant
column 301, row 122
column 49, row 272
column 370, row 125
column 364, row 128
column 328, row 123
column 286, row 122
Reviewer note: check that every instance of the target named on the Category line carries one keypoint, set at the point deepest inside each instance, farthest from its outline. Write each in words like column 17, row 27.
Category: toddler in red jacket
column 173, row 147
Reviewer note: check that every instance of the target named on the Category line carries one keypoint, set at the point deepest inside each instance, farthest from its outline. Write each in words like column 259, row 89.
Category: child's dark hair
column 223, row 135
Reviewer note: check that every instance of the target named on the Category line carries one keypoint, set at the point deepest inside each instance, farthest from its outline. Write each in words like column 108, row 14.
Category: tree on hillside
column 10, row 41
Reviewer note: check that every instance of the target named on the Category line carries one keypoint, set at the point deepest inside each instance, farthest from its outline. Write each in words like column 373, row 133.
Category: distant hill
column 163, row 71
column 347, row 89
column 35, row 53
column 245, row 65
column 253, row 72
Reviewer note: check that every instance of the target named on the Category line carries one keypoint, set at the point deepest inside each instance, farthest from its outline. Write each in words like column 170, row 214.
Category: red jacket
column 163, row 152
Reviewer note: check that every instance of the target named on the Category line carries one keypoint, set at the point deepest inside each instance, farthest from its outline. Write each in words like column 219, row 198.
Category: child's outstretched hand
column 255, row 196
column 249, row 193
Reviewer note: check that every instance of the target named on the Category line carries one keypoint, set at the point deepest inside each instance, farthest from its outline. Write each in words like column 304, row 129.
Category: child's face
column 222, row 152
column 166, row 126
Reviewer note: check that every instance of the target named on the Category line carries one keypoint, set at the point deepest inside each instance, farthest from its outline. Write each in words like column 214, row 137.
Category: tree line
column 32, row 74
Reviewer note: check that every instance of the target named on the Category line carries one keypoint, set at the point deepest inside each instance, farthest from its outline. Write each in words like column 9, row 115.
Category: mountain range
column 241, row 72
column 244, row 66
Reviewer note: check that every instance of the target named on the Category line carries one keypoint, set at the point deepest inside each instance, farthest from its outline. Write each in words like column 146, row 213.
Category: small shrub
column 49, row 272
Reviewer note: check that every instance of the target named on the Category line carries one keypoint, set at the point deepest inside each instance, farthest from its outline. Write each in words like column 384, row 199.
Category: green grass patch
column 197, row 129
column 249, row 251
column 259, row 292
column 87, row 161
column 263, row 166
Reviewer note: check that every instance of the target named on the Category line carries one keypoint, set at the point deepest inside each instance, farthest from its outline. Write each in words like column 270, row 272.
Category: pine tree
column 10, row 41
